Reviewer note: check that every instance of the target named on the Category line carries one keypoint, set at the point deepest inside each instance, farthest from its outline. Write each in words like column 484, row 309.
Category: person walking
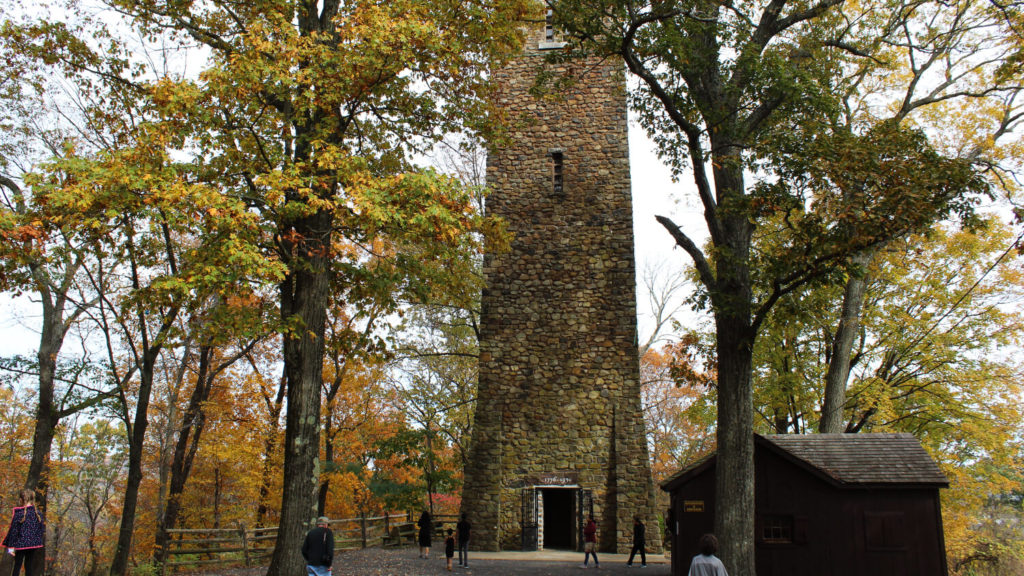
column 462, row 529
column 639, row 543
column 590, row 542
column 706, row 563
column 449, row 549
column 318, row 549
column 426, row 525
column 26, row 537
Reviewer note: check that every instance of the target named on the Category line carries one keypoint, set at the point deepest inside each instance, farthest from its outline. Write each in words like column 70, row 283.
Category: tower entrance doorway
column 553, row 517
column 560, row 518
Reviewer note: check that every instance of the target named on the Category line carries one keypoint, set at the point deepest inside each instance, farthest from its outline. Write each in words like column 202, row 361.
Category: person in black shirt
column 449, row 548
column 639, row 542
column 462, row 528
column 426, row 525
column 318, row 549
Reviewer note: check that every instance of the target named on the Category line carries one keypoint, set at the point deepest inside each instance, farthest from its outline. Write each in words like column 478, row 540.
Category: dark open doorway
column 559, row 518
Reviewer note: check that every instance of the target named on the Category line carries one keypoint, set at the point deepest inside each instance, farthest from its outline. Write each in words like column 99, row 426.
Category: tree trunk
column 185, row 449
column 269, row 447
column 167, row 443
column 429, row 465
column 732, row 298
column 734, row 478
column 304, row 299
column 325, row 483
column 119, row 564
column 150, row 350
column 340, row 370
column 47, row 414
column 94, row 553
column 832, row 421
column 218, row 481
column 42, row 437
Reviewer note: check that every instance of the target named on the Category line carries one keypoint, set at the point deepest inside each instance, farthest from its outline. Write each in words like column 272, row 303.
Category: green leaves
column 838, row 193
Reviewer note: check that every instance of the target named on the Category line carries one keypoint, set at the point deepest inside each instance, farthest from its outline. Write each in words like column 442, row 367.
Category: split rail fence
column 194, row 548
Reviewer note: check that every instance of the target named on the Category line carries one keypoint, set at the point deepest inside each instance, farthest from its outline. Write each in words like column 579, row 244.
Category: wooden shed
column 826, row 504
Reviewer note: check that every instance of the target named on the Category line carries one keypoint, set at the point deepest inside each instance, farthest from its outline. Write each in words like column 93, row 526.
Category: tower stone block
column 559, row 431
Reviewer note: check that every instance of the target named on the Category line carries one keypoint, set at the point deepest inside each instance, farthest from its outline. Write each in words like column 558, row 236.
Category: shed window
column 549, row 26
column 884, row 530
column 777, row 529
column 557, row 183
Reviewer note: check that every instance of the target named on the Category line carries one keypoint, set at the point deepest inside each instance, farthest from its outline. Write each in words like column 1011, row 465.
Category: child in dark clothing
column 449, row 548
column 26, row 536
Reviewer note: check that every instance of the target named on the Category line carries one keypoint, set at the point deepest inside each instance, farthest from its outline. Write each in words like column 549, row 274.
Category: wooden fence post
column 194, row 548
column 245, row 544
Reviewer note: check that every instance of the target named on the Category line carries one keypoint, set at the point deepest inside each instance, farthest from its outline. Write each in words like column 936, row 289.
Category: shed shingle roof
column 852, row 460
column 863, row 458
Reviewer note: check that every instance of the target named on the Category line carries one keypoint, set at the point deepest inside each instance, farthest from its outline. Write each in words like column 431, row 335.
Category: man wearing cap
column 318, row 549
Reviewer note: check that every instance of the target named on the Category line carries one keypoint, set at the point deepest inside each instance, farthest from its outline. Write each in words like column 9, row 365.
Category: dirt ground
column 405, row 562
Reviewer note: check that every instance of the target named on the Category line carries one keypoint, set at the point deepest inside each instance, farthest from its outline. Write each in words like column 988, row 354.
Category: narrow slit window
column 549, row 26
column 557, row 183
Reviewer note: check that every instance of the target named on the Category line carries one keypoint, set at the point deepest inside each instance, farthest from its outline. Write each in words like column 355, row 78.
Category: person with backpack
column 318, row 549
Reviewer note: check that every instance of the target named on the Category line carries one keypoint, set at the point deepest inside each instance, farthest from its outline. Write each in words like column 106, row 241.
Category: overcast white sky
column 655, row 194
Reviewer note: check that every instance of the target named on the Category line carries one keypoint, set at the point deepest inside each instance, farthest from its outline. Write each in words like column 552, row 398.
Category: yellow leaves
column 425, row 202
column 673, row 396
column 175, row 99
column 968, row 507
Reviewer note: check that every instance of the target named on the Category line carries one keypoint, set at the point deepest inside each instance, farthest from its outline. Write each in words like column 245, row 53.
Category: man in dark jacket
column 463, row 528
column 639, row 542
column 318, row 549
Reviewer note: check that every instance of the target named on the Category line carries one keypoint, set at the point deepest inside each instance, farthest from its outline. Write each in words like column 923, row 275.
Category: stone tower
column 558, row 431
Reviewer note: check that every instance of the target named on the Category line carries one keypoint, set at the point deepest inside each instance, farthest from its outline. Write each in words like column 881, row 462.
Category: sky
column 655, row 194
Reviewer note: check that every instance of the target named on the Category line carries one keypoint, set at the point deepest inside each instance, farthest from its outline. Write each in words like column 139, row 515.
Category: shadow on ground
column 405, row 562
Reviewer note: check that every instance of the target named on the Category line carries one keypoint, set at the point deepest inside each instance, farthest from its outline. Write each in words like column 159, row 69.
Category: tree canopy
column 287, row 154
column 825, row 115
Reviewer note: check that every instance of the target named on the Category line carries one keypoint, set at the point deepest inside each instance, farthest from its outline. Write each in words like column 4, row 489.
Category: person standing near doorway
column 318, row 549
column 590, row 542
column 462, row 530
column 639, row 543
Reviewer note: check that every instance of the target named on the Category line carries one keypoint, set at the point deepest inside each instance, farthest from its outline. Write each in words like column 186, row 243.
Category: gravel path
column 404, row 562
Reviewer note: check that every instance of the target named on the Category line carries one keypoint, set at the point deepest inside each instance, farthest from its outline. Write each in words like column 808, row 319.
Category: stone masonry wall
column 559, row 376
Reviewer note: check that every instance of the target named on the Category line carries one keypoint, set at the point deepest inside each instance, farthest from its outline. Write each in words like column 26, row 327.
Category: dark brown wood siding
column 807, row 525
column 691, row 524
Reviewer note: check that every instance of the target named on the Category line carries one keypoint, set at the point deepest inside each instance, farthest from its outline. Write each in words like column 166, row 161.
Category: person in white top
column 706, row 563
